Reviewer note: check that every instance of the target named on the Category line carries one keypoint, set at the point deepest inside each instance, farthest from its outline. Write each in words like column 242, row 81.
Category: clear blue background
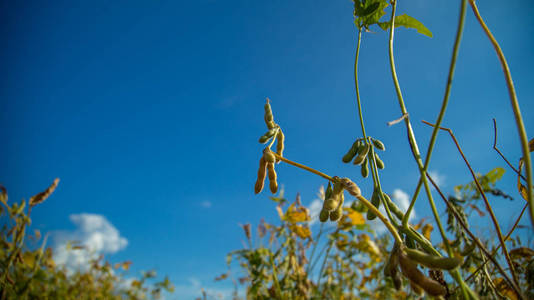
column 145, row 110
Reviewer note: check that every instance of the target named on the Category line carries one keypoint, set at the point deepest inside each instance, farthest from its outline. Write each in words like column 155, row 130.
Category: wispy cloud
column 438, row 178
column 194, row 287
column 97, row 236
column 206, row 204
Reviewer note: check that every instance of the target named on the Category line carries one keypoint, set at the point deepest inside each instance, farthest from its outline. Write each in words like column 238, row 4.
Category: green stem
column 515, row 106
column 444, row 104
column 356, row 82
column 415, row 151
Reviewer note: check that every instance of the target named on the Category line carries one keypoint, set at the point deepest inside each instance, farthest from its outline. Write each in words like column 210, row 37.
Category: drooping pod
column 378, row 144
column 273, row 185
column 268, row 155
column 352, row 152
column 336, row 214
column 391, row 269
column 379, row 162
column 410, row 270
column 267, row 136
column 280, row 144
column 362, row 154
column 332, row 202
column 328, row 191
column 365, row 168
column 323, row 215
column 262, row 172
column 375, row 200
column 432, row 261
column 351, row 187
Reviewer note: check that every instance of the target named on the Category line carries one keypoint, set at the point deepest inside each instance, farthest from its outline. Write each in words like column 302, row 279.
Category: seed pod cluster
column 333, row 204
column 417, row 278
column 391, row 268
column 432, row 261
column 378, row 144
column 262, row 172
column 362, row 154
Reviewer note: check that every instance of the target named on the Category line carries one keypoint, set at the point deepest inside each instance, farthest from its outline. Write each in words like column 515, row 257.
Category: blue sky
column 150, row 112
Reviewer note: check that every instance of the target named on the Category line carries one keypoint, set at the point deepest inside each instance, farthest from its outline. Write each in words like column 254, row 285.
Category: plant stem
column 515, row 106
column 417, row 156
column 356, row 82
column 366, row 202
column 444, row 104
column 488, row 205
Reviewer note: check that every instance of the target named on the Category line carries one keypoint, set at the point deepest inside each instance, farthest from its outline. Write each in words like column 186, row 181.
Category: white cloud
column 438, row 178
column 193, row 290
column 205, row 204
column 97, row 236
column 315, row 208
column 402, row 199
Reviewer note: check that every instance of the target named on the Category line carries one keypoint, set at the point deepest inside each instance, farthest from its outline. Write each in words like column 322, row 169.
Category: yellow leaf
column 504, row 289
column 427, row 229
column 416, row 227
column 356, row 218
column 302, row 231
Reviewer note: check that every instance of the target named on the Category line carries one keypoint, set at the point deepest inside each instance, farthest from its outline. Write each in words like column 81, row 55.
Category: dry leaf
column 39, row 198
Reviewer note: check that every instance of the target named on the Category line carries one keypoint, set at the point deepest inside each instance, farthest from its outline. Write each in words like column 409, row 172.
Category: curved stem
column 417, row 156
column 296, row 164
column 444, row 103
column 356, row 82
column 515, row 106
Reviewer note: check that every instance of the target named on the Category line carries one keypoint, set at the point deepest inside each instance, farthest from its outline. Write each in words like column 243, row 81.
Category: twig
column 488, row 205
column 404, row 116
column 473, row 237
column 499, row 246
column 515, row 107
column 499, row 151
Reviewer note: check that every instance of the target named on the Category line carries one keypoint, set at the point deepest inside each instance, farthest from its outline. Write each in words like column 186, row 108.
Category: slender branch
column 473, row 237
column 515, row 107
column 356, row 82
column 499, row 246
column 499, row 151
column 366, row 202
column 444, row 103
column 488, row 205
column 466, row 291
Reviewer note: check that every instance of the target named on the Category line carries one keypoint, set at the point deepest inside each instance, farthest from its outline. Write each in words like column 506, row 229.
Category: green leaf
column 408, row 22
column 369, row 13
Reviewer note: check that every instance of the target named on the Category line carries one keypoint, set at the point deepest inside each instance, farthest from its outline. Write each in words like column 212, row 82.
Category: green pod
column 379, row 162
column 331, row 203
column 267, row 136
column 365, row 168
column 410, row 270
column 328, row 192
column 393, row 207
column 335, row 215
column 378, row 144
column 280, row 144
column 363, row 150
column 323, row 215
column 375, row 198
column 432, row 261
column 370, row 215
column 352, row 152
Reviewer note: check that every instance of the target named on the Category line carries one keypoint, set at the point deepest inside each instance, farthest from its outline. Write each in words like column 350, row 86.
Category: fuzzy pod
column 378, row 144
column 323, row 215
column 351, row 187
column 379, row 162
column 272, row 178
column 268, row 117
column 432, row 261
column 262, row 172
column 352, row 152
column 267, row 136
column 269, row 156
column 280, row 144
column 410, row 270
column 363, row 150
column 328, row 192
column 365, row 168
column 331, row 203
column 335, row 215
